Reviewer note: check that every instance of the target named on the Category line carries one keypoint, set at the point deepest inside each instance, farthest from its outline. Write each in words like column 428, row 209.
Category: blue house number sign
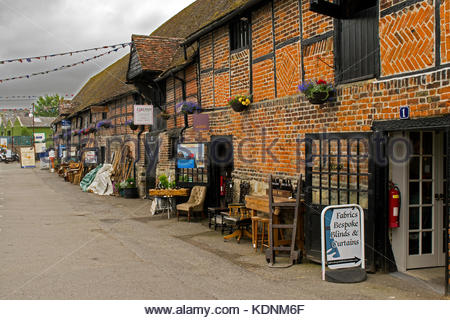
column 404, row 113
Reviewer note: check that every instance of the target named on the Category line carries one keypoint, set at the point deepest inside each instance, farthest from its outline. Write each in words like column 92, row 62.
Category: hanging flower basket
column 104, row 124
column 240, row 102
column 317, row 92
column 131, row 125
column 318, row 97
column 188, row 107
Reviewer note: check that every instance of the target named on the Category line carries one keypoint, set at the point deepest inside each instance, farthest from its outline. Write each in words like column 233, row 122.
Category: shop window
column 104, row 115
column 357, row 46
column 191, row 165
column 239, row 34
column 338, row 170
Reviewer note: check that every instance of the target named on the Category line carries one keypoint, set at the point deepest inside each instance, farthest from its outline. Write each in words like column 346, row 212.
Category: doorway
column 420, row 241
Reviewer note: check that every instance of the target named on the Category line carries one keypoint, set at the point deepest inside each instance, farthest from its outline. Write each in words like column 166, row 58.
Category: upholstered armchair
column 194, row 204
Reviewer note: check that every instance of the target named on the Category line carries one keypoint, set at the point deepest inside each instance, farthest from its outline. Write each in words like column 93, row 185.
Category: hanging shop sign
column 3, row 142
column 143, row 115
column 27, row 159
column 201, row 122
column 39, row 137
column 342, row 237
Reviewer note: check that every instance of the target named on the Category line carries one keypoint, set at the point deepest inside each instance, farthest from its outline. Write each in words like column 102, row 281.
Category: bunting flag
column 30, row 59
column 27, row 76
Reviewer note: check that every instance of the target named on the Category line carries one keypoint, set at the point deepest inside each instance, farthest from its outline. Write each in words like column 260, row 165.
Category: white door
column 426, row 179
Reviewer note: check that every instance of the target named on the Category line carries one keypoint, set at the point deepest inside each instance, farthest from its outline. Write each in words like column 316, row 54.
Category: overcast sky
column 40, row 27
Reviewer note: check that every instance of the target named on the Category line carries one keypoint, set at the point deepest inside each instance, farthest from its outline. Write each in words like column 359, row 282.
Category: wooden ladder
column 295, row 256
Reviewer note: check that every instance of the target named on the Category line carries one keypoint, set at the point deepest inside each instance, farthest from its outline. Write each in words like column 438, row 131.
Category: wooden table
column 261, row 204
column 169, row 194
column 183, row 192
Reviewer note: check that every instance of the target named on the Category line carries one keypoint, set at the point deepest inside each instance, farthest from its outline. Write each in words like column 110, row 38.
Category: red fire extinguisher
column 222, row 186
column 394, row 206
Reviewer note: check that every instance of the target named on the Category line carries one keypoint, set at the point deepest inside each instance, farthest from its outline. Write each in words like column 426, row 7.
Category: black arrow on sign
column 354, row 260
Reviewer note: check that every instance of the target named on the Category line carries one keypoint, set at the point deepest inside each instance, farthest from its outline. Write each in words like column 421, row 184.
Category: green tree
column 47, row 106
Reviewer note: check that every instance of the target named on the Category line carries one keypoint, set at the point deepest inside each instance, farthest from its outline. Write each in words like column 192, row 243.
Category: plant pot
column 121, row 192
column 133, row 127
column 131, row 193
column 238, row 107
column 319, row 98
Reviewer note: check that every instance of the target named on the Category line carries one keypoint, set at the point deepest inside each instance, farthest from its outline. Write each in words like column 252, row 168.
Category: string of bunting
column 27, row 76
column 29, row 97
column 30, row 59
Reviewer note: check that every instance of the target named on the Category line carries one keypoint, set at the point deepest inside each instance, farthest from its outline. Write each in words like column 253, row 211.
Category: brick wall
column 445, row 31
column 407, row 39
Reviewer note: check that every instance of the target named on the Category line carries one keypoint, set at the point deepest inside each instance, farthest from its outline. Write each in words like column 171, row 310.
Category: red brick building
column 386, row 59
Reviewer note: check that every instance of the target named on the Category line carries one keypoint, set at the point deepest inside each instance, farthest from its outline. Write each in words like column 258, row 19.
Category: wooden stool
column 265, row 224
column 256, row 237
column 255, row 225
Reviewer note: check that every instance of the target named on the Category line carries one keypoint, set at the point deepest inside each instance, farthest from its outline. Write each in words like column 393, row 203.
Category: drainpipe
column 138, row 156
column 186, row 124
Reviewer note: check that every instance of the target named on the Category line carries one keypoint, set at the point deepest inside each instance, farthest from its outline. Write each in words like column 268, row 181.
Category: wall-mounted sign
column 99, row 109
column 39, row 137
column 201, row 122
column 65, row 124
column 27, row 159
column 342, row 237
column 3, row 142
column 90, row 157
column 404, row 113
column 143, row 115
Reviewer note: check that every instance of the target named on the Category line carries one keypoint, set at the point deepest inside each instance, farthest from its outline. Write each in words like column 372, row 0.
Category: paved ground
column 57, row 242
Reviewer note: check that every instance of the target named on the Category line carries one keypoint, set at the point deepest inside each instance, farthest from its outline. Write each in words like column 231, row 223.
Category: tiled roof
column 39, row 122
column 196, row 16
column 179, row 59
column 155, row 53
column 104, row 86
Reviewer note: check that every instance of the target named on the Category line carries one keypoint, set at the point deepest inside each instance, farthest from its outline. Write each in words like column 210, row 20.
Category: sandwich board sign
column 342, row 229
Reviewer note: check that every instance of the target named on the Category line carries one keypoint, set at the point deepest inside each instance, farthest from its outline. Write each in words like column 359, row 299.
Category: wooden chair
column 194, row 204
column 239, row 217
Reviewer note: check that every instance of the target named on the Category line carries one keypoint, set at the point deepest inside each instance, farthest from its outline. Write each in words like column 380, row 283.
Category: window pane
column 344, row 198
column 415, row 141
column 427, row 143
column 364, row 200
column 414, row 193
column 427, row 242
column 427, row 168
column 334, row 197
column 316, row 196
column 316, row 180
column 427, row 191
column 414, row 214
column 414, row 243
column 427, row 217
column 414, row 168
column 325, row 198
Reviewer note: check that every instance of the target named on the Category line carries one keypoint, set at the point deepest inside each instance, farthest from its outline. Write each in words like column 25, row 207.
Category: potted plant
column 317, row 92
column 188, row 107
column 129, row 188
column 92, row 129
column 240, row 102
column 131, row 124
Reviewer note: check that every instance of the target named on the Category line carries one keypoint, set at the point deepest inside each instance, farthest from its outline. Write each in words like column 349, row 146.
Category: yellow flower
column 248, row 101
column 240, row 99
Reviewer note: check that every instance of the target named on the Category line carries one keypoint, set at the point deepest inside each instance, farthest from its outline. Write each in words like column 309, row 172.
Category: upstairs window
column 357, row 48
column 239, row 34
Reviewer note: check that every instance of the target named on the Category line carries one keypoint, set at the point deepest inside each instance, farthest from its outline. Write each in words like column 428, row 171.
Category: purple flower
column 188, row 107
